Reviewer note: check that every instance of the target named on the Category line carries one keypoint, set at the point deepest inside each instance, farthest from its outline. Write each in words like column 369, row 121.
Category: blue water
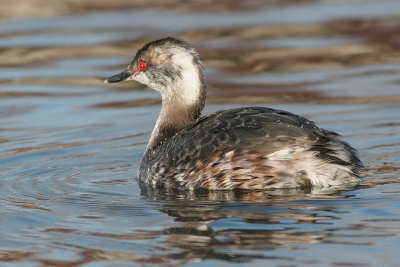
column 70, row 145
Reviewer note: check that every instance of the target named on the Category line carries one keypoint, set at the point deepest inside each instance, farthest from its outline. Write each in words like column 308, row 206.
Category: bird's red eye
column 142, row 65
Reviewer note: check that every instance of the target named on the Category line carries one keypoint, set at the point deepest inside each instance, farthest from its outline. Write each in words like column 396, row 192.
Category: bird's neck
column 182, row 104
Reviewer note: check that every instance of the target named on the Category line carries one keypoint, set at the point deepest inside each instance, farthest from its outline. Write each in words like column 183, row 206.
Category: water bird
column 251, row 148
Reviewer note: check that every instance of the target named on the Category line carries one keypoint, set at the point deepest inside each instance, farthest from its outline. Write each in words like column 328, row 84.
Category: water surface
column 70, row 145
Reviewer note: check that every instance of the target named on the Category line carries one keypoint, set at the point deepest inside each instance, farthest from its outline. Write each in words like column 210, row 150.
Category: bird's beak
column 120, row 77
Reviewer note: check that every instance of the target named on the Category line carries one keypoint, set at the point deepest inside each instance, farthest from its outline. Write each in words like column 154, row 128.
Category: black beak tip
column 123, row 76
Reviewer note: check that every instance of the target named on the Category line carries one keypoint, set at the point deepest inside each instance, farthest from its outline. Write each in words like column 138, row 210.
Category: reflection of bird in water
column 217, row 225
column 244, row 148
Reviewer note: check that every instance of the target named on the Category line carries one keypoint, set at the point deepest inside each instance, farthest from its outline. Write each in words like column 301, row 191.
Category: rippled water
column 70, row 145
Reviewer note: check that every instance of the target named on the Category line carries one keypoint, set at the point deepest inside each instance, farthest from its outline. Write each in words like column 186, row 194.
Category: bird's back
column 250, row 148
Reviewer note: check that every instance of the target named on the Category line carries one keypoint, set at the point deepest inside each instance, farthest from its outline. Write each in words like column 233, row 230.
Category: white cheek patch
column 190, row 85
column 140, row 77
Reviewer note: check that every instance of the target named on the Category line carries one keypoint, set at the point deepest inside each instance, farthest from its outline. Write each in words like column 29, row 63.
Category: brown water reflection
column 69, row 145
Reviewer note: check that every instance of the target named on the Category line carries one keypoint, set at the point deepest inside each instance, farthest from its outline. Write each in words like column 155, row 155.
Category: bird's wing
column 257, row 129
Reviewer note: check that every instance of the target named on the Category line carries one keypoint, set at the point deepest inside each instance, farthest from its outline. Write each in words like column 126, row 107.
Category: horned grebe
column 242, row 148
